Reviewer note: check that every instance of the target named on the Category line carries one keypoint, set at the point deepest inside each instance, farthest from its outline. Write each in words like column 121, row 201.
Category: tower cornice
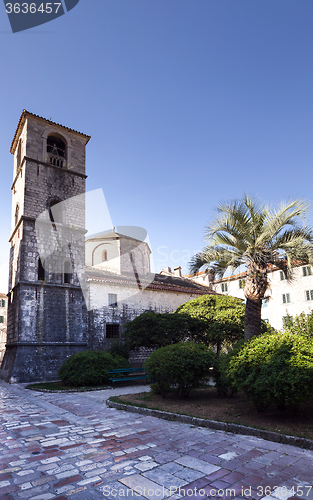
column 23, row 118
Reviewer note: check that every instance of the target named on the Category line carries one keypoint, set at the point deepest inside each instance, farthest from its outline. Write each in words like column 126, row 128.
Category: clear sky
column 188, row 103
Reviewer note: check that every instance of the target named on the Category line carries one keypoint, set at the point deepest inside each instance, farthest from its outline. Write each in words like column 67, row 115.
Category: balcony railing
column 58, row 161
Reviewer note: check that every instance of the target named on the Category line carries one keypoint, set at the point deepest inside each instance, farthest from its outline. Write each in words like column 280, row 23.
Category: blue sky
column 188, row 103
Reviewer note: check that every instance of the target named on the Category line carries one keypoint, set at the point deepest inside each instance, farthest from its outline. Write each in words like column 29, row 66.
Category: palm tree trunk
column 252, row 318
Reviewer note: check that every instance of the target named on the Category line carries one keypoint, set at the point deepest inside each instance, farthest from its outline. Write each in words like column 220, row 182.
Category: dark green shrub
column 179, row 367
column 119, row 349
column 275, row 368
column 89, row 368
column 154, row 330
column 225, row 386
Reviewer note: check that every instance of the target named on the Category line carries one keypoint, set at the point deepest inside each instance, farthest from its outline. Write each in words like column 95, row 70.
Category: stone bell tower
column 47, row 319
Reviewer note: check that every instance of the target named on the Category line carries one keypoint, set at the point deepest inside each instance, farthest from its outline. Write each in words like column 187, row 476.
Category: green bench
column 124, row 374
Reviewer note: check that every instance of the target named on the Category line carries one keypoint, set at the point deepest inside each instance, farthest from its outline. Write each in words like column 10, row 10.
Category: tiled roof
column 27, row 113
column 271, row 268
column 150, row 282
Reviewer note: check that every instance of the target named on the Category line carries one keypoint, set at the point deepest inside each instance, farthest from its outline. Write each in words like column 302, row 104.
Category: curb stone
column 218, row 426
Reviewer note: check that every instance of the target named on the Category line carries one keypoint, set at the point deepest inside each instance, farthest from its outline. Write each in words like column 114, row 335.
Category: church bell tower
column 47, row 319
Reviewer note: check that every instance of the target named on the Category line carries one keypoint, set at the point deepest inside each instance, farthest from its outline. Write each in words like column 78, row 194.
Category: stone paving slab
column 71, row 446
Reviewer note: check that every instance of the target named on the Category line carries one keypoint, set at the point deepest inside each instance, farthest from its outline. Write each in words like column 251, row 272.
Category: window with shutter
column 309, row 294
column 307, row 271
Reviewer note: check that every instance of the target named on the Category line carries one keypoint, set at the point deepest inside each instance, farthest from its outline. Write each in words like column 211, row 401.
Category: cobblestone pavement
column 71, row 446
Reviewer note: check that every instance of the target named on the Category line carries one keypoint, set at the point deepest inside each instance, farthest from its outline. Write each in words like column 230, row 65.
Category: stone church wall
column 128, row 307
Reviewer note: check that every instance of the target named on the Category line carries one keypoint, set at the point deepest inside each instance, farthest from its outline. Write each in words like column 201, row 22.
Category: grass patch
column 207, row 404
column 59, row 386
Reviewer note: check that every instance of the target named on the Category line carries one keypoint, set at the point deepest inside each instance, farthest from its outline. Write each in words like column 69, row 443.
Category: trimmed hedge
column 90, row 368
column 179, row 367
column 275, row 368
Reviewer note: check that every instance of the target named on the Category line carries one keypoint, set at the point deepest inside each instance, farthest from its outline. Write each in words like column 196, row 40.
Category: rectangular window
column 307, row 271
column 242, row 284
column 224, row 287
column 264, row 302
column 282, row 275
column 309, row 294
column 1, row 319
column 2, row 303
column 112, row 331
column 286, row 298
column 112, row 299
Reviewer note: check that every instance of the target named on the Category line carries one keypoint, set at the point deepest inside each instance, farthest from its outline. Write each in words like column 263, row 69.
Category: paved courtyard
column 72, row 446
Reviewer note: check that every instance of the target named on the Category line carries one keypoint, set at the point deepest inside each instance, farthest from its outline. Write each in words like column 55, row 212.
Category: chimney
column 177, row 271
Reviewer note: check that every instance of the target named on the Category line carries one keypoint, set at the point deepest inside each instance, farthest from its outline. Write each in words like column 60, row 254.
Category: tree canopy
column 154, row 330
column 220, row 319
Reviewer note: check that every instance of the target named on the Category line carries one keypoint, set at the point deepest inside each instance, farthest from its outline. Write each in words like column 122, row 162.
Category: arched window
column 41, row 271
column 104, row 255
column 56, row 151
column 67, row 272
column 55, row 211
column 17, row 214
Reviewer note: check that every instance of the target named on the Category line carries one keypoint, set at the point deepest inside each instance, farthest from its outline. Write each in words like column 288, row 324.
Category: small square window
column 2, row 303
column 282, row 275
column 112, row 299
column 307, row 271
column 286, row 298
column 224, row 287
column 112, row 331
column 1, row 319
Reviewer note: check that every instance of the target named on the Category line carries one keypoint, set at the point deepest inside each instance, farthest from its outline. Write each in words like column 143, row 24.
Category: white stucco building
column 282, row 297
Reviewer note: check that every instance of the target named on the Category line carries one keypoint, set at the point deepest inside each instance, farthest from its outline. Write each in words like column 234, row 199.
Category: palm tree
column 247, row 232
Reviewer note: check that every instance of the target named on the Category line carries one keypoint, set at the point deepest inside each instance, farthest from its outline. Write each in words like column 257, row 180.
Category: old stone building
column 59, row 305
column 121, row 289
column 3, row 324
column 47, row 318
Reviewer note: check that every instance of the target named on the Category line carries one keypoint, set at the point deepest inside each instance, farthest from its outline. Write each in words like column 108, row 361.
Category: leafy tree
column 250, row 233
column 220, row 319
column 154, row 330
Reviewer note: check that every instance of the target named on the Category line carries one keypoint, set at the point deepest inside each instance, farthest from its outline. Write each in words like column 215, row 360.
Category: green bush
column 89, row 368
column 179, row 367
column 301, row 324
column 225, row 386
column 275, row 368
